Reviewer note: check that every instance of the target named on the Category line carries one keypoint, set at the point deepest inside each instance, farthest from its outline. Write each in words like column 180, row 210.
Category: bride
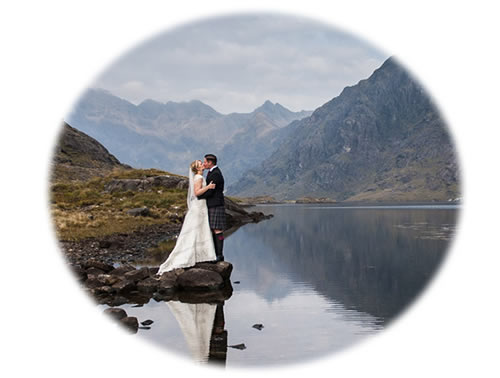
column 195, row 242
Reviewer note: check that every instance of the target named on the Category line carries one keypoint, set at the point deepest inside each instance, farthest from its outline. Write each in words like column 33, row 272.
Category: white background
column 52, row 49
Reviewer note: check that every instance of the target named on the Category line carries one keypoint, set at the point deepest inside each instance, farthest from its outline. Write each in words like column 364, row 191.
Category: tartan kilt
column 217, row 217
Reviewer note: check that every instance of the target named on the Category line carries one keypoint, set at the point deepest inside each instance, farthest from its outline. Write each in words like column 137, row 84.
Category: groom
column 215, row 203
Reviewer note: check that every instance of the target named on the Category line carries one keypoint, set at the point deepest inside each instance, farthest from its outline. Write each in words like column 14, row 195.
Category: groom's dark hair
column 212, row 158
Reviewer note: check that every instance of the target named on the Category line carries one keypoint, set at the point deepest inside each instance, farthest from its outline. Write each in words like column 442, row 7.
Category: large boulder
column 224, row 268
column 200, row 279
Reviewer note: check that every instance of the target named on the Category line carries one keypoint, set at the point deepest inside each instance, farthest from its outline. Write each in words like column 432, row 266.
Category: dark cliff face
column 381, row 139
column 79, row 156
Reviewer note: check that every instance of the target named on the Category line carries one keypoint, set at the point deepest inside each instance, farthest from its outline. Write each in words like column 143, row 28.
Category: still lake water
column 319, row 278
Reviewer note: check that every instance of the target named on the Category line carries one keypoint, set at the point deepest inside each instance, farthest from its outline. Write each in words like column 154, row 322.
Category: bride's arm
column 199, row 189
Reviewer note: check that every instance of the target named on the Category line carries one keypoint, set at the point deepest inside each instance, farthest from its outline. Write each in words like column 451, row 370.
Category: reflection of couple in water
column 201, row 239
column 203, row 327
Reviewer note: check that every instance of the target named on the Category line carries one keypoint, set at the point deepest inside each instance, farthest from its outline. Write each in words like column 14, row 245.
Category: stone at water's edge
column 131, row 323
column 224, row 268
column 200, row 279
column 116, row 313
column 148, row 285
column 206, row 282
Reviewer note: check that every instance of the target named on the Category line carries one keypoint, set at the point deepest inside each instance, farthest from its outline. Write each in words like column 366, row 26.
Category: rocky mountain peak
column 381, row 139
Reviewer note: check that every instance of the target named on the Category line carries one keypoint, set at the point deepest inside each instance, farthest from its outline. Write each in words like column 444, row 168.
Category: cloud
column 235, row 63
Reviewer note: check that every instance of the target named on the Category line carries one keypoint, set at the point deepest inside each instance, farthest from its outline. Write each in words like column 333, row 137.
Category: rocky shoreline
column 110, row 270
column 120, row 248
column 129, row 248
column 206, row 282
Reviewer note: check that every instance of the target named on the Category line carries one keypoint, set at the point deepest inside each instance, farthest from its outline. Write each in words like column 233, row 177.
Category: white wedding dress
column 195, row 243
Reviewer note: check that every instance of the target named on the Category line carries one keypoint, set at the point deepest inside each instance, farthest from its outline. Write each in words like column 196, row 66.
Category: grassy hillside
column 83, row 209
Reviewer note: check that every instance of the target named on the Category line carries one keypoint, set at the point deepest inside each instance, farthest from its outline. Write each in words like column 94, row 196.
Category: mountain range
column 171, row 135
column 379, row 140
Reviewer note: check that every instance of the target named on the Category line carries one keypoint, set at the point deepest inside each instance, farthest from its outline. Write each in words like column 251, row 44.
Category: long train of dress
column 195, row 243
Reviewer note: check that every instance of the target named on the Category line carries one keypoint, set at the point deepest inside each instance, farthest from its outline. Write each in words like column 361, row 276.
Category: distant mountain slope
column 171, row 135
column 78, row 156
column 381, row 139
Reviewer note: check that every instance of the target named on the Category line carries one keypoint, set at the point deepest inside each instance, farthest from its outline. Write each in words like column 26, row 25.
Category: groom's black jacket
column 214, row 197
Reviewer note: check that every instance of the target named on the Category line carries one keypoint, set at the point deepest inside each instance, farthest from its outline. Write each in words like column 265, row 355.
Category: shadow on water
column 374, row 260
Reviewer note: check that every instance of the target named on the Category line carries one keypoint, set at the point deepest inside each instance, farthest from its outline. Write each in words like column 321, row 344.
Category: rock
column 236, row 282
column 177, row 272
column 103, row 290
column 124, row 286
column 98, row 265
column 164, row 296
column 147, row 322
column 147, row 184
column 205, row 296
column 224, row 268
column 141, row 211
column 138, row 297
column 92, row 282
column 116, row 313
column 238, row 346
column 94, row 272
column 153, row 270
column 199, row 279
column 137, row 275
column 131, row 323
column 117, row 301
column 171, row 275
column 144, row 327
column 121, row 270
column 148, row 285
column 107, row 279
column 167, row 283
column 79, row 272
column 258, row 326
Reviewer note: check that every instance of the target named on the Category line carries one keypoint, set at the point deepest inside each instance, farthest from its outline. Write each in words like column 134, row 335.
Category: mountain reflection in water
column 318, row 278
column 367, row 259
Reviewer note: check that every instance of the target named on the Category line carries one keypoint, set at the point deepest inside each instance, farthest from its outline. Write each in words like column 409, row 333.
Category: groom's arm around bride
column 214, row 197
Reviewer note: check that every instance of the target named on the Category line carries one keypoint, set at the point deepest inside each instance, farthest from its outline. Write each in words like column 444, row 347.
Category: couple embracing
column 201, row 237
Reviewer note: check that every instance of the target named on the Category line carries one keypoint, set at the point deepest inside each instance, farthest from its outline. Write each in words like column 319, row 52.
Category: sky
column 236, row 63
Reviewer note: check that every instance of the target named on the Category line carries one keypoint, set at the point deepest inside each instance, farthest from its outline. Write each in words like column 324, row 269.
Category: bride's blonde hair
column 194, row 166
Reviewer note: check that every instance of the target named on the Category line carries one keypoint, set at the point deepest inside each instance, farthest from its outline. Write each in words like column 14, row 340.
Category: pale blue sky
column 235, row 63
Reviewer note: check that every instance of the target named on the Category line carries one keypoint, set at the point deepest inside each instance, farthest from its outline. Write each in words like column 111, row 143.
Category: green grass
column 83, row 209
